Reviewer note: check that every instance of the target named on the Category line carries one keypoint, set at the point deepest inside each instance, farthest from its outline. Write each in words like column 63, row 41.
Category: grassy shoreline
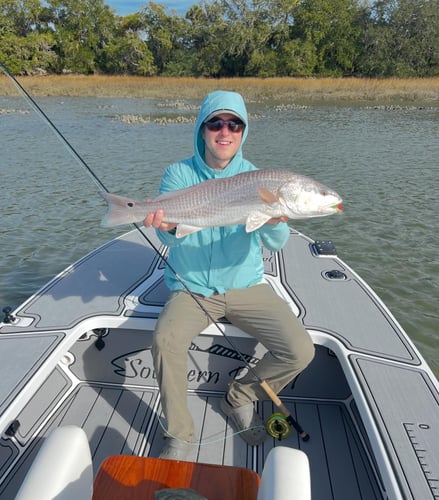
column 416, row 91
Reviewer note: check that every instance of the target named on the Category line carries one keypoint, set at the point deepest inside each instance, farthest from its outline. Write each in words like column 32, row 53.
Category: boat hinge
column 324, row 247
column 100, row 333
column 13, row 428
column 8, row 318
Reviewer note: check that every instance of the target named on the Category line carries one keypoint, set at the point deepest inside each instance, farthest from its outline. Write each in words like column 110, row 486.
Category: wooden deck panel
column 131, row 478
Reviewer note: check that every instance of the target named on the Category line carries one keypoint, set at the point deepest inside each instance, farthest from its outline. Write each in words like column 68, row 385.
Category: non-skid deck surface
column 334, row 449
column 125, row 418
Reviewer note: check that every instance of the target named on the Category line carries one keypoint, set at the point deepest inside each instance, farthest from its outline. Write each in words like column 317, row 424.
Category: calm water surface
column 385, row 164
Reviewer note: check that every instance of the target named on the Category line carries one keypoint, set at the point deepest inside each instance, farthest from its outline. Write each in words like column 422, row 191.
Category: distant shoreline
column 310, row 91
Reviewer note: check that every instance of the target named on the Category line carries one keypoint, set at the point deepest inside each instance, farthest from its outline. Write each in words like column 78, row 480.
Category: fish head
column 308, row 198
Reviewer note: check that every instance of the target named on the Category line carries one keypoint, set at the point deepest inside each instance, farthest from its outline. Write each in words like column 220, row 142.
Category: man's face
column 222, row 145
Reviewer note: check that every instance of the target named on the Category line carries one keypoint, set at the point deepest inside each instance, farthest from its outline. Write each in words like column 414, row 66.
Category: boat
column 78, row 386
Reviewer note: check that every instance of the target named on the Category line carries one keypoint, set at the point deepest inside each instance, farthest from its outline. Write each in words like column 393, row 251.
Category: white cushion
column 286, row 475
column 62, row 468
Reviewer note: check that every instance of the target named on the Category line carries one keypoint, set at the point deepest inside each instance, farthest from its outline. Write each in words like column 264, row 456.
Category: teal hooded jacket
column 216, row 259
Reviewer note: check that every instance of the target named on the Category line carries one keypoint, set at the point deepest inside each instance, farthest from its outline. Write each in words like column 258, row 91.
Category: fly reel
column 278, row 426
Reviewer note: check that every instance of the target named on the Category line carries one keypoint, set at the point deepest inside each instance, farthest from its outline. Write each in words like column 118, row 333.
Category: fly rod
column 275, row 426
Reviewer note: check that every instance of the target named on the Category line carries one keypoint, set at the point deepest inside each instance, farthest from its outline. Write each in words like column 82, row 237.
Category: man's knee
column 308, row 352
column 299, row 353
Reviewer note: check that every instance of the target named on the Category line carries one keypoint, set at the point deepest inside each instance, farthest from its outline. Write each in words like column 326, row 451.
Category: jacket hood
column 219, row 101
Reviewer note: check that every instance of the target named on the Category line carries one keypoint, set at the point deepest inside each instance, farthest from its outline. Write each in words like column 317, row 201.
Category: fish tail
column 120, row 210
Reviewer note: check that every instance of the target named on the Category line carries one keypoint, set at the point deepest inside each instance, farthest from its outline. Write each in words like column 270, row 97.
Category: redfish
column 250, row 198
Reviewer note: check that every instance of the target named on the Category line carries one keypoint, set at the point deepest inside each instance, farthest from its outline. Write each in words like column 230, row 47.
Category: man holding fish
column 223, row 266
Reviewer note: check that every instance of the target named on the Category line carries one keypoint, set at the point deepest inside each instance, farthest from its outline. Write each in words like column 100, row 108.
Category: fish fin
column 255, row 220
column 121, row 210
column 267, row 196
column 185, row 229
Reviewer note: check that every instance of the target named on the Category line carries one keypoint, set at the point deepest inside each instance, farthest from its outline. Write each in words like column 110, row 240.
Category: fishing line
column 209, row 440
column 263, row 383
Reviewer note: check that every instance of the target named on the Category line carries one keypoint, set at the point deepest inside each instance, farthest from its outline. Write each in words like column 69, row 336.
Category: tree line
column 223, row 38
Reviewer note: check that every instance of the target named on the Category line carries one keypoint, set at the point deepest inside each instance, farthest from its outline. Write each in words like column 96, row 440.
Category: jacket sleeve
column 274, row 236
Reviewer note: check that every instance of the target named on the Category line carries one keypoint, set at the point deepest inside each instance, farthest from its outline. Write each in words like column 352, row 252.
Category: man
column 224, row 267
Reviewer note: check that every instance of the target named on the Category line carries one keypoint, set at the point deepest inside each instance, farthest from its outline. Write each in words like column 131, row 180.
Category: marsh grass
column 416, row 91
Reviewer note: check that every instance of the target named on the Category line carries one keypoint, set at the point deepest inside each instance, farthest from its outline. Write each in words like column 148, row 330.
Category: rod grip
column 275, row 398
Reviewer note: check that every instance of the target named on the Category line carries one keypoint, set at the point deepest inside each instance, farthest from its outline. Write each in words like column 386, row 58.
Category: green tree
column 376, row 53
column 23, row 17
column 164, row 34
column 257, row 30
column 297, row 58
column 28, row 55
column 126, row 51
column 333, row 28
column 26, row 41
column 207, row 39
column 127, row 54
column 83, row 29
column 218, row 38
column 402, row 38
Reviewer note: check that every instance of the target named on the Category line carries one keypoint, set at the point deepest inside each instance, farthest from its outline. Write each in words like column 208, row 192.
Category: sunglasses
column 216, row 124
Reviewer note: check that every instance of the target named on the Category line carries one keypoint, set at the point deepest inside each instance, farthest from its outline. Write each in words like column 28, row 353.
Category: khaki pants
column 258, row 311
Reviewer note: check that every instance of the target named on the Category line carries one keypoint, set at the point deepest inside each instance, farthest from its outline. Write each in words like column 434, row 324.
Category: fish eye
column 130, row 204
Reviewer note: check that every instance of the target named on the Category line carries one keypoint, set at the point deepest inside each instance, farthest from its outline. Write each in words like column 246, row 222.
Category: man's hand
column 155, row 220
column 276, row 220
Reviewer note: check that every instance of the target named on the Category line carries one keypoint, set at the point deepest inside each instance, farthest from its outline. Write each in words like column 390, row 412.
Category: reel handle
column 284, row 410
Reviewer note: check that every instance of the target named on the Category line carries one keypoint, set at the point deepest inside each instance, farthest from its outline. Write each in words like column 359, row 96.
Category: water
column 385, row 164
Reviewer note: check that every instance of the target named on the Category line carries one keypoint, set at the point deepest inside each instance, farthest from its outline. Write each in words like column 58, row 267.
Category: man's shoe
column 248, row 422
column 175, row 449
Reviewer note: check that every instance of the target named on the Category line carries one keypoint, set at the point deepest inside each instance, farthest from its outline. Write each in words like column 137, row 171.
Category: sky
column 124, row 7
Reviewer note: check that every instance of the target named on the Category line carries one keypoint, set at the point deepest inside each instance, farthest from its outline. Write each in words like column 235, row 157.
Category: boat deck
column 368, row 400
column 111, row 394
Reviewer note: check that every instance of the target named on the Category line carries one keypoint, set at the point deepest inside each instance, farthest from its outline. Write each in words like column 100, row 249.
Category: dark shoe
column 175, row 449
column 247, row 421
